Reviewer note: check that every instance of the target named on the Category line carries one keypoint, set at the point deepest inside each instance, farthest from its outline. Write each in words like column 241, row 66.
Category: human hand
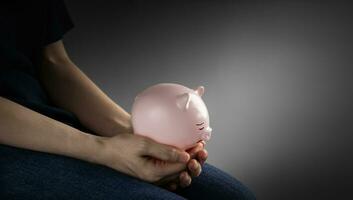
column 198, row 156
column 141, row 157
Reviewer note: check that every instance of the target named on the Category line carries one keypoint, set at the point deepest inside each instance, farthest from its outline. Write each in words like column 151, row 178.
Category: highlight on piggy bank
column 171, row 114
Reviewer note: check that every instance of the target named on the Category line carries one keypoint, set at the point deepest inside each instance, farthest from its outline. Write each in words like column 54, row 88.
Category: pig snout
column 206, row 135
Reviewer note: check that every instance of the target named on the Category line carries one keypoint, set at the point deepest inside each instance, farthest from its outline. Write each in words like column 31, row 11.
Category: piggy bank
column 171, row 114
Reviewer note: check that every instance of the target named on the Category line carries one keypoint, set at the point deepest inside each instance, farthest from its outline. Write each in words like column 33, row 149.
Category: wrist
column 105, row 152
column 97, row 152
column 86, row 147
column 102, row 151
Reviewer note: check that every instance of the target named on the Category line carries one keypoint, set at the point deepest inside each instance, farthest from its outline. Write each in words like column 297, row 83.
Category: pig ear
column 183, row 101
column 200, row 90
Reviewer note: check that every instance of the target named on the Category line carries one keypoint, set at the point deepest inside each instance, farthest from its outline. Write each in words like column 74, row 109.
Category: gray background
column 278, row 79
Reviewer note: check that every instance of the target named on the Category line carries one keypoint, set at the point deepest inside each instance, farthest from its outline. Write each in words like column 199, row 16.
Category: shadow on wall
column 278, row 80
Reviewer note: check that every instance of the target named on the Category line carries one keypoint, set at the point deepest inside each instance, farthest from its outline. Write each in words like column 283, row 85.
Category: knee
column 224, row 186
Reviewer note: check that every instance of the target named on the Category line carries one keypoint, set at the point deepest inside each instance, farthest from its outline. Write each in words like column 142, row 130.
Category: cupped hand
column 198, row 156
column 142, row 158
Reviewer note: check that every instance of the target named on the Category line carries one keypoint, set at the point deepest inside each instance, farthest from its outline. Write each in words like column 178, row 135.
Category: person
column 63, row 138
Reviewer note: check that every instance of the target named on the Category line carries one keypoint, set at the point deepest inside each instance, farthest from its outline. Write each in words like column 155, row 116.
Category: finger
column 194, row 168
column 172, row 186
column 165, row 152
column 196, row 145
column 193, row 146
column 167, row 180
column 203, row 143
column 163, row 169
column 193, row 151
column 184, row 179
column 202, row 156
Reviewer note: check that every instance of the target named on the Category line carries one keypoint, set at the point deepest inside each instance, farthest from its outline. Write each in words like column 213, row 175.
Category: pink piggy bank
column 171, row 114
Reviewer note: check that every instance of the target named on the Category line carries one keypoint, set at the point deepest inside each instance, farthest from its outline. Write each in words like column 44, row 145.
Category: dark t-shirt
column 26, row 26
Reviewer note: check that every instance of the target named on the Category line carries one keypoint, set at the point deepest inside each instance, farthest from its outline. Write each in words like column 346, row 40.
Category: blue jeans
column 26, row 174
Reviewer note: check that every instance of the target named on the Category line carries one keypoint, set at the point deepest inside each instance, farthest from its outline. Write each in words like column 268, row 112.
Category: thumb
column 165, row 152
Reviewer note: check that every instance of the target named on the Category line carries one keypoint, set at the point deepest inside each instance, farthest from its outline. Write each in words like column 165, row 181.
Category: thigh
column 216, row 184
column 28, row 174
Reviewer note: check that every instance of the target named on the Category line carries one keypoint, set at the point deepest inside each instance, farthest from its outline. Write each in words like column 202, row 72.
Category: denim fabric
column 26, row 174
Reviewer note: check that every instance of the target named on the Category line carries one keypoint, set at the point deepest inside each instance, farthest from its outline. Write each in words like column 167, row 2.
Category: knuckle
column 173, row 154
column 200, row 171
column 197, row 172
column 144, row 144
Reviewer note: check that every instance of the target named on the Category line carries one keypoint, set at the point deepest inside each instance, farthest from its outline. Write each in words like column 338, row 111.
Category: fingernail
column 203, row 143
column 194, row 165
column 200, row 171
column 189, row 181
column 184, row 157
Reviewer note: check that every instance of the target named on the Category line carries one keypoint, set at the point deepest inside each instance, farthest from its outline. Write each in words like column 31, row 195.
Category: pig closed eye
column 200, row 124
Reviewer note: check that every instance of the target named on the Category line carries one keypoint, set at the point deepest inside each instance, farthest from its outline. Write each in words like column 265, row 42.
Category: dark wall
column 278, row 78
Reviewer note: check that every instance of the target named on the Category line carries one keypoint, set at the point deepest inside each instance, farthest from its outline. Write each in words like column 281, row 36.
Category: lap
column 34, row 175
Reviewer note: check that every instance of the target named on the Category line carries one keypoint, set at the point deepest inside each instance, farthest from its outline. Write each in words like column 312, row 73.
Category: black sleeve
column 58, row 21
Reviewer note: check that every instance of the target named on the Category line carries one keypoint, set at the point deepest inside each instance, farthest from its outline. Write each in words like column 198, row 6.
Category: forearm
column 23, row 128
column 71, row 89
